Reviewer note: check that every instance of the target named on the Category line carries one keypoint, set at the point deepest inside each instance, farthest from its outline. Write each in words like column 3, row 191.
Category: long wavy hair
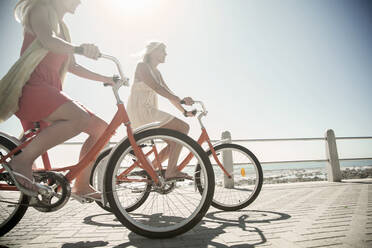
column 22, row 9
column 150, row 48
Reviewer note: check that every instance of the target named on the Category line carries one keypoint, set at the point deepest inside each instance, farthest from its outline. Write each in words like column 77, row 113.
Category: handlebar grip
column 79, row 50
column 115, row 78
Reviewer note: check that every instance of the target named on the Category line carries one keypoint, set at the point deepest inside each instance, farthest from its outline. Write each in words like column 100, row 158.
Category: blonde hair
column 22, row 11
column 150, row 48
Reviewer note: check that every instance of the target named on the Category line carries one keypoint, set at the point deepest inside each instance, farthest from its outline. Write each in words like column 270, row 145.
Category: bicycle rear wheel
column 247, row 177
column 96, row 180
column 13, row 204
column 96, row 176
column 170, row 209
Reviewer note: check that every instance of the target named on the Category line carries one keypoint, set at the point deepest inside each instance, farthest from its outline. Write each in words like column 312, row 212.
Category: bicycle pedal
column 142, row 173
column 175, row 180
column 35, row 202
column 80, row 199
column 7, row 178
column 137, row 191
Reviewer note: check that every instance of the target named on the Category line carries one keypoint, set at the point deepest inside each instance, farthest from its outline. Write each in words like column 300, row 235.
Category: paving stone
column 314, row 214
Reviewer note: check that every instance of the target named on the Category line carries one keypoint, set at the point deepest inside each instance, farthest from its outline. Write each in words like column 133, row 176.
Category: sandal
column 180, row 177
column 28, row 187
column 87, row 198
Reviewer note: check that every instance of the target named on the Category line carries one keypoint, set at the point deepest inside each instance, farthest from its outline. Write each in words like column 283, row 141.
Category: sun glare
column 132, row 5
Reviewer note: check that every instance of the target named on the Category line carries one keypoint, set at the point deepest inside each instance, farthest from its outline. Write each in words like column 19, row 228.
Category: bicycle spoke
column 239, row 191
column 169, row 206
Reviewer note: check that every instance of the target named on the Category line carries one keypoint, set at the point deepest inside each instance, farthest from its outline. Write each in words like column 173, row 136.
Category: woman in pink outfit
column 43, row 99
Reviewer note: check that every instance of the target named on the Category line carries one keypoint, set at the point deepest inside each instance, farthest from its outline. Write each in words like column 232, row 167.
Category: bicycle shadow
column 85, row 244
column 203, row 235
column 89, row 220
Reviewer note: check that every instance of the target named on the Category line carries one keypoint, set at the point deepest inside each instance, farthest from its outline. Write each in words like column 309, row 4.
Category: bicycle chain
column 17, row 203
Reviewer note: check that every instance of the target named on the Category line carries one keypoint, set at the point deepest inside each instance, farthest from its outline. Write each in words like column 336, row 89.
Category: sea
column 311, row 171
column 315, row 165
column 294, row 171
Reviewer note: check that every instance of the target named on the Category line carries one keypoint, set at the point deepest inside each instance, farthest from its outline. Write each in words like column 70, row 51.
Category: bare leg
column 162, row 156
column 22, row 138
column 66, row 122
column 95, row 129
column 175, row 149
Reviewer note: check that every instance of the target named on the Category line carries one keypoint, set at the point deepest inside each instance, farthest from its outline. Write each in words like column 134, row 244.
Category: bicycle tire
column 23, row 200
column 180, row 224
column 130, row 208
column 228, row 199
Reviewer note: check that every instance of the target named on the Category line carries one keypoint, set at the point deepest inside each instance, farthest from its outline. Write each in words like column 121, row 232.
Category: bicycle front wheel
column 246, row 180
column 13, row 204
column 174, row 206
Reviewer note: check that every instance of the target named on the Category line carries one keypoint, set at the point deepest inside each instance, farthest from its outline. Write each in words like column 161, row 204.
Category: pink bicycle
column 174, row 206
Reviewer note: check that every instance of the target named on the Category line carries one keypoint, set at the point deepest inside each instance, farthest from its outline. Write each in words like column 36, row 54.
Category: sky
column 264, row 69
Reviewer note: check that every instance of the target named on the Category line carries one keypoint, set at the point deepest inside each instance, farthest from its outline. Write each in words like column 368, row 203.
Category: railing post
column 333, row 164
column 227, row 161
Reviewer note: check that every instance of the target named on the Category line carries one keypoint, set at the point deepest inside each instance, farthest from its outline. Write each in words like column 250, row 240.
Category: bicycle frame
column 204, row 137
column 121, row 117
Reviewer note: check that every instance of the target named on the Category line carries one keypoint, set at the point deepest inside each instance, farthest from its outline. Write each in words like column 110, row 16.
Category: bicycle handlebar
column 122, row 81
column 197, row 102
column 203, row 112
column 202, row 105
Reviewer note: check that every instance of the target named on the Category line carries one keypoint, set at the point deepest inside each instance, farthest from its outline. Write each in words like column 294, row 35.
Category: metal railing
column 305, row 139
column 332, row 158
column 278, row 140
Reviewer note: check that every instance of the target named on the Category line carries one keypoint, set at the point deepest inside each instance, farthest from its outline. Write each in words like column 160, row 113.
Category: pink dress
column 42, row 94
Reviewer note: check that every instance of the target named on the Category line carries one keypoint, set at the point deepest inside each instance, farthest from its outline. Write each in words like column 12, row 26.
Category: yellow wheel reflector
column 242, row 171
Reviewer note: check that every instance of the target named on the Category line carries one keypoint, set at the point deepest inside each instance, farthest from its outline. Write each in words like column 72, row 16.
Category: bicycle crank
column 59, row 195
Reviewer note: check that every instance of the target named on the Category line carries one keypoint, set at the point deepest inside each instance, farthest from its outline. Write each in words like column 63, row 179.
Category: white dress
column 142, row 105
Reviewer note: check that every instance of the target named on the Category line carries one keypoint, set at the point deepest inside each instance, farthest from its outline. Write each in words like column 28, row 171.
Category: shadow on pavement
column 91, row 220
column 368, row 181
column 85, row 244
column 204, row 234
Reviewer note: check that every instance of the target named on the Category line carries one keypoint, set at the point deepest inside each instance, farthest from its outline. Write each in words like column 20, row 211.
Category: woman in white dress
column 143, row 104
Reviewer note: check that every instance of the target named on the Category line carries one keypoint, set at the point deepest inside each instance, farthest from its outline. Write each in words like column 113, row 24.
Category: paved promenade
column 314, row 214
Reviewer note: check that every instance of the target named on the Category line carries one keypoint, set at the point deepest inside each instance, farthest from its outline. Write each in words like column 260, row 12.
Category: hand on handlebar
column 117, row 81
column 109, row 81
column 190, row 113
column 88, row 50
column 187, row 101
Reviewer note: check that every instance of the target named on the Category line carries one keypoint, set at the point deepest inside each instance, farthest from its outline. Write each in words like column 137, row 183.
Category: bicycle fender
column 137, row 130
column 12, row 138
column 223, row 141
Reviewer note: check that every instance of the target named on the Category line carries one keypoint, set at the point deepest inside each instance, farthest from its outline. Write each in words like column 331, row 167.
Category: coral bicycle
column 175, row 208
column 238, row 173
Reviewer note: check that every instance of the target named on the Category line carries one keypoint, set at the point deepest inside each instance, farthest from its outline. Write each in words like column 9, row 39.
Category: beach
column 313, row 174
